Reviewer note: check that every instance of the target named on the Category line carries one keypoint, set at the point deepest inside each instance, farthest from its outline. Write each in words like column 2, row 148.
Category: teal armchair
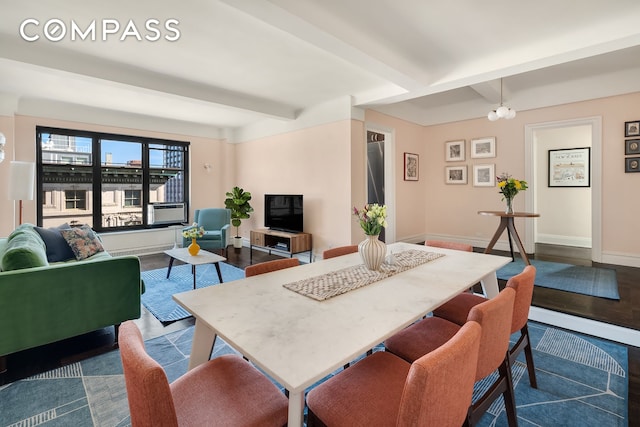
column 216, row 223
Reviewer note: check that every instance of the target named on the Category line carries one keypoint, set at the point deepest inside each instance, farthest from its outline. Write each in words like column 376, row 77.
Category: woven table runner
column 339, row 282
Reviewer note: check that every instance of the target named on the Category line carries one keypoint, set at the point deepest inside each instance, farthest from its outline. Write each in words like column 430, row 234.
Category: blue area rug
column 593, row 281
column 581, row 381
column 158, row 289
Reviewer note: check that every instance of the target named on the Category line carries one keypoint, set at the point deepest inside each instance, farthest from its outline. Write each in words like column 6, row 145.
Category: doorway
column 570, row 220
column 380, row 179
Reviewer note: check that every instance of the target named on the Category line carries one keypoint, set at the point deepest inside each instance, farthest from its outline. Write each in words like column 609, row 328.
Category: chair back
column 523, row 285
column 449, row 245
column 269, row 266
column 148, row 391
column 339, row 251
column 212, row 218
column 494, row 315
column 439, row 387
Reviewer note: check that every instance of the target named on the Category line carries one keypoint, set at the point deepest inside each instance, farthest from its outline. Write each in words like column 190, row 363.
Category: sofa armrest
column 46, row 304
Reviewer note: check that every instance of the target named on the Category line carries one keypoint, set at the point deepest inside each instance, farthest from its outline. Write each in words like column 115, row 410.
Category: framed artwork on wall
column 455, row 174
column 570, row 167
column 482, row 148
column 484, row 175
column 632, row 164
column 632, row 128
column 454, row 151
column 411, row 167
column 632, row 146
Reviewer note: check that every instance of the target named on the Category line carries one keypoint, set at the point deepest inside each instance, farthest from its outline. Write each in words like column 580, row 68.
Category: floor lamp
column 22, row 182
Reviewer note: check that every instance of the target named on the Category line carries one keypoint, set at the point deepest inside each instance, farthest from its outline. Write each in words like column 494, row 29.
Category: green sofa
column 43, row 302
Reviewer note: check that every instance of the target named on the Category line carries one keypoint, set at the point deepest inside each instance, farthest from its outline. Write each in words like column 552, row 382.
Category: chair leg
column 509, row 394
column 3, row 364
column 524, row 344
column 503, row 386
column 116, row 331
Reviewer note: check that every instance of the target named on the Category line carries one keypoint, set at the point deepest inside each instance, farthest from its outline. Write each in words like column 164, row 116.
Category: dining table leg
column 204, row 338
column 296, row 408
column 490, row 285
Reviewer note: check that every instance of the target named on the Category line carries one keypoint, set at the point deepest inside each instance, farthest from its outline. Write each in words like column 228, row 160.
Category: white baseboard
column 586, row 326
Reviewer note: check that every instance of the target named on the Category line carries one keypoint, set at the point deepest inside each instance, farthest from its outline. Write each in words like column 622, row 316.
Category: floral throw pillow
column 83, row 242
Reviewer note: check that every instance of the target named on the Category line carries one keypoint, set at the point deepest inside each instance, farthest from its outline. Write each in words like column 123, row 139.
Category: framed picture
column 455, row 174
column 632, row 128
column 482, row 148
column 410, row 167
column 454, row 151
column 632, row 164
column 570, row 167
column 632, row 146
column 484, row 175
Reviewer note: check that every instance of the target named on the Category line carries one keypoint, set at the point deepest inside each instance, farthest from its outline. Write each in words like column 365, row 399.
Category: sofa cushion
column 56, row 246
column 83, row 241
column 25, row 249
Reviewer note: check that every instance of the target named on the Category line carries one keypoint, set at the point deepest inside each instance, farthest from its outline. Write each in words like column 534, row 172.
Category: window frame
column 95, row 201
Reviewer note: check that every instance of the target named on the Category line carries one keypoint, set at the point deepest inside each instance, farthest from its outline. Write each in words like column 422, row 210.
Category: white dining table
column 298, row 340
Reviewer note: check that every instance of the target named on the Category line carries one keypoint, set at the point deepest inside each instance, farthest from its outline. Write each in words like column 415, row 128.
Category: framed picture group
column 479, row 148
column 632, row 146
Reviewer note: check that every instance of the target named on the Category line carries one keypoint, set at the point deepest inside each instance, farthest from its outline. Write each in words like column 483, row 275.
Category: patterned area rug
column 593, row 281
column 581, row 381
column 158, row 289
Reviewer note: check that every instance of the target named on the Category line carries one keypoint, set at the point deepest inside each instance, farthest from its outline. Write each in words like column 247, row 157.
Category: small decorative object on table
column 509, row 187
column 372, row 218
column 193, row 233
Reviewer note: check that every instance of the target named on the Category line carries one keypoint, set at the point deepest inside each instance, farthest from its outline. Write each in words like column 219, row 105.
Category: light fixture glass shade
column 1, row 154
column 3, row 140
column 492, row 116
column 511, row 114
column 22, row 180
column 502, row 111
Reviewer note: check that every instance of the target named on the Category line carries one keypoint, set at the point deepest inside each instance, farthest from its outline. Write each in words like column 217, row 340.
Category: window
column 132, row 198
column 75, row 199
column 107, row 181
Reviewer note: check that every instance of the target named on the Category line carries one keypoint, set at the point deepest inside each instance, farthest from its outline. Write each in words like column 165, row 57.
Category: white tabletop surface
column 203, row 257
column 298, row 340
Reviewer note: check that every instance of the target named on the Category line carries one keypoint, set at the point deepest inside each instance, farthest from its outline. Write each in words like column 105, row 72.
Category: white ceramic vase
column 372, row 251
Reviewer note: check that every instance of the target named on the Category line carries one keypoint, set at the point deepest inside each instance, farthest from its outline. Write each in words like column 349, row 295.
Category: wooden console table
column 280, row 241
column 506, row 221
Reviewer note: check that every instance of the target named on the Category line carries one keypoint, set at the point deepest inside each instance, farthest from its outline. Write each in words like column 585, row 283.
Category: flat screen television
column 283, row 212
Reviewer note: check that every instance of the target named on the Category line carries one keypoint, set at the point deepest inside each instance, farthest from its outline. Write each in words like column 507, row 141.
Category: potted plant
column 237, row 202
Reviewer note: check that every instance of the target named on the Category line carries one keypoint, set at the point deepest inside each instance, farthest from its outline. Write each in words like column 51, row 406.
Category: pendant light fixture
column 501, row 112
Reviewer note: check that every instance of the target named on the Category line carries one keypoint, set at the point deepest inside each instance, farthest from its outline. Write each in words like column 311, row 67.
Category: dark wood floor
column 625, row 312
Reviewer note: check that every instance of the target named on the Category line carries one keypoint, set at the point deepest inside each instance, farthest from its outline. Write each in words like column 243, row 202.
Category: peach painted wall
column 207, row 189
column 315, row 162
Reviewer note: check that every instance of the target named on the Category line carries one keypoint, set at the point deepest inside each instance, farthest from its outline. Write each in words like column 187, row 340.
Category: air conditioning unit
column 167, row 213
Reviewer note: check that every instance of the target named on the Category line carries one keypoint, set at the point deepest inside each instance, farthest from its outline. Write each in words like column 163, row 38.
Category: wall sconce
column 207, row 167
column 3, row 141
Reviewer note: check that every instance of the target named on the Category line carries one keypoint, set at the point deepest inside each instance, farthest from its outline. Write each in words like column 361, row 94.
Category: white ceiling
column 238, row 62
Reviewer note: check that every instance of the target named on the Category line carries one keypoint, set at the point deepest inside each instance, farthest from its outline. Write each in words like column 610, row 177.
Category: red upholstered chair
column 457, row 309
column 383, row 390
column 269, row 266
column 449, row 245
column 339, row 251
column 494, row 316
column 224, row 391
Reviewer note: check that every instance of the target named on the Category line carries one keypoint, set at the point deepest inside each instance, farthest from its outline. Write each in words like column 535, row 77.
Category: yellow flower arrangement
column 194, row 232
column 509, row 186
column 372, row 218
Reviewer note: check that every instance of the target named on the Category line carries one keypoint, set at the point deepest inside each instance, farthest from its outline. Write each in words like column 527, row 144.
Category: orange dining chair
column 494, row 315
column 223, row 391
column 449, row 245
column 339, row 251
column 383, row 389
column 457, row 309
column 269, row 266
